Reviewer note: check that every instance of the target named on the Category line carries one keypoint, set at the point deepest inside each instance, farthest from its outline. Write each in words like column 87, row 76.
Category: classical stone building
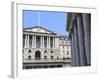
column 43, row 48
column 79, row 27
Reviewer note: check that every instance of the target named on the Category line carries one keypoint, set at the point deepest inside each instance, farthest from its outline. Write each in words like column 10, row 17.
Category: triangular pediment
column 39, row 30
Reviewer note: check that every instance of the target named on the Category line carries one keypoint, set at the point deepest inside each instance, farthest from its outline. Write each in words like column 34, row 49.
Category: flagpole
column 38, row 18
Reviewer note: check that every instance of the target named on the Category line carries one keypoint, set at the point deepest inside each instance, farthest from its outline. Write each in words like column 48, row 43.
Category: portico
column 38, row 41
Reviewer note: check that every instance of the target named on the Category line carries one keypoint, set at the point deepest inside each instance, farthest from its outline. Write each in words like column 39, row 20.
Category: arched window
column 45, row 51
column 63, row 58
column 45, row 57
column 57, row 57
column 29, row 51
column 67, row 52
column 51, row 57
column 51, row 51
column 29, row 57
column 37, row 55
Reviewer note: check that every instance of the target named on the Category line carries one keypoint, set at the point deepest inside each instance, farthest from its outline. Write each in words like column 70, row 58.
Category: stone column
column 87, row 34
column 28, row 41
column 47, row 42
column 33, row 41
column 73, row 56
column 53, row 42
column 81, row 40
column 25, row 41
column 76, row 44
column 43, row 41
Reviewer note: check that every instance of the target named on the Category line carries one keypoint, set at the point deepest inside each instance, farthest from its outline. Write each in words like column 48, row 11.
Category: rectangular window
column 67, row 52
column 63, row 47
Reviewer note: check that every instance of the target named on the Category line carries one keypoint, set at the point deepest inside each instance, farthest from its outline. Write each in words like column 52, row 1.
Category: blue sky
column 54, row 21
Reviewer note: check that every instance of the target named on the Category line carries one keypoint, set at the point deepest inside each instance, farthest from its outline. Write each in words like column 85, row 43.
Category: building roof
column 42, row 30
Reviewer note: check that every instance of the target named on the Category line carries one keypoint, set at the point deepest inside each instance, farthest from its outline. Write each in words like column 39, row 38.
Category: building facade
column 79, row 27
column 43, row 48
